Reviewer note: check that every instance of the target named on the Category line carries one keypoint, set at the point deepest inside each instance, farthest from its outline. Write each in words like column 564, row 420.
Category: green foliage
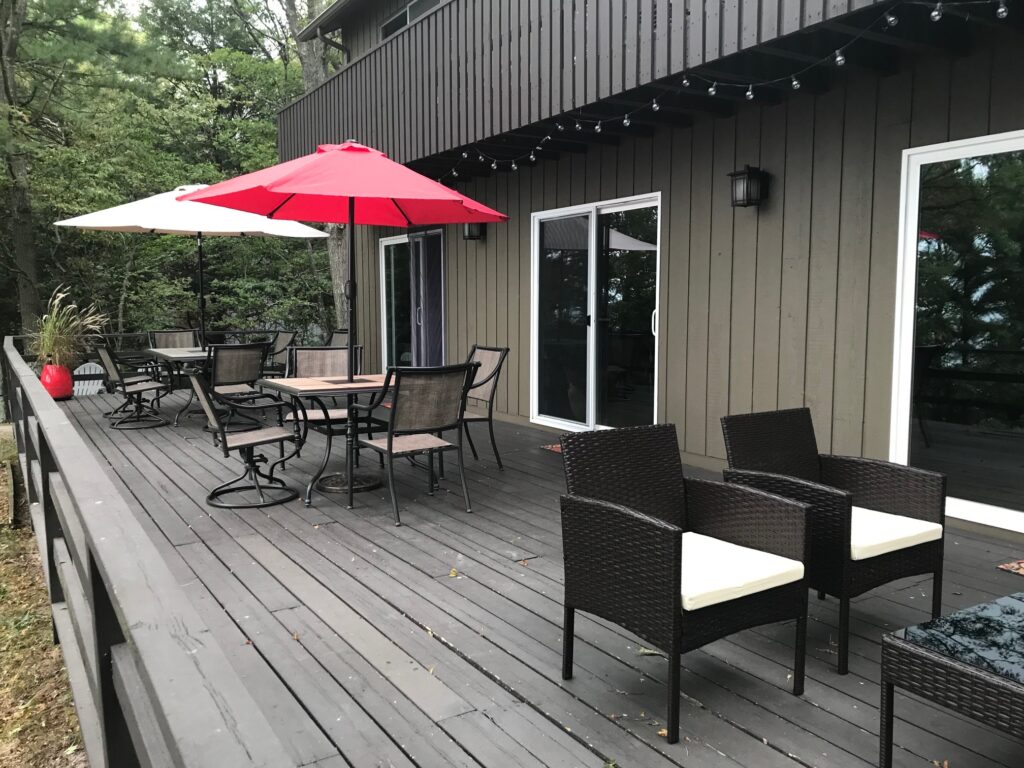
column 117, row 107
column 63, row 330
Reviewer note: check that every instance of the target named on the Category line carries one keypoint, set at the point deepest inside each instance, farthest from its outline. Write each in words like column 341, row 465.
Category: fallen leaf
column 453, row 573
column 295, row 635
column 648, row 652
column 663, row 733
column 524, row 562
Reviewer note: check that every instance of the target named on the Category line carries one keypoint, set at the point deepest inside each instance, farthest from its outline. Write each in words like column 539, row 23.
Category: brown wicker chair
column 678, row 562
column 271, row 490
column 425, row 403
column 141, row 395
column 485, row 385
column 871, row 521
column 174, row 339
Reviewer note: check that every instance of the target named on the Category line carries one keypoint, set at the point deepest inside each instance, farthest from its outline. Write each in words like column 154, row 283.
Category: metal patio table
column 176, row 358
column 316, row 390
column 971, row 661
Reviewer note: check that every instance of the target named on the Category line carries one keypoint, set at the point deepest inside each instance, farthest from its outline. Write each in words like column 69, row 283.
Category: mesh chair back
column 279, row 352
column 339, row 338
column 236, row 363
column 429, row 399
column 636, row 467
column 323, row 362
column 109, row 364
column 205, row 399
column 491, row 360
column 175, row 339
column 773, row 441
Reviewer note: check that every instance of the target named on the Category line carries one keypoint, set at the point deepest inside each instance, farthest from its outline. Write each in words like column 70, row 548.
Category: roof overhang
column 328, row 21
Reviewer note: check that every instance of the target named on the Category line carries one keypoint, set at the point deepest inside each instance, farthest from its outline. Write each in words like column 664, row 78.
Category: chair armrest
column 748, row 517
column 888, row 487
column 624, row 566
column 829, row 515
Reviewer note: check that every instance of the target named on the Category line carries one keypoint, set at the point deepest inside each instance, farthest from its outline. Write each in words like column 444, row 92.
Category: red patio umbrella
column 346, row 184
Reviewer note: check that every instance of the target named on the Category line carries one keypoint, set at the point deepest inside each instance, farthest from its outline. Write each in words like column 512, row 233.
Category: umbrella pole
column 350, row 286
column 202, row 291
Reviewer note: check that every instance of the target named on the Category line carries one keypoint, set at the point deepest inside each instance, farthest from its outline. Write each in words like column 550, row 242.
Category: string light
column 885, row 20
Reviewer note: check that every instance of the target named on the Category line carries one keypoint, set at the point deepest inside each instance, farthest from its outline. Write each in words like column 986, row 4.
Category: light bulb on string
column 936, row 13
column 625, row 121
column 514, row 166
column 494, row 165
column 579, row 126
column 465, row 155
column 891, row 19
column 713, row 89
column 655, row 106
column 455, row 174
column 597, row 127
column 749, row 95
column 840, row 58
column 483, row 159
column 559, row 126
column 795, row 83
column 533, row 158
column 686, row 81
column 1002, row 11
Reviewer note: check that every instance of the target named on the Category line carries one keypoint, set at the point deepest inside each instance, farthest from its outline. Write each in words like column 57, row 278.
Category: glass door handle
column 419, row 316
column 654, row 322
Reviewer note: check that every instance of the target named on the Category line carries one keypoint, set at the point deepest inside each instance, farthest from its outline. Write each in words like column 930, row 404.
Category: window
column 406, row 16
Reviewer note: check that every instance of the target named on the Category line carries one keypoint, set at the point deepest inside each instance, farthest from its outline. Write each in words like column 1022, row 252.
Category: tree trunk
column 12, row 14
column 313, row 60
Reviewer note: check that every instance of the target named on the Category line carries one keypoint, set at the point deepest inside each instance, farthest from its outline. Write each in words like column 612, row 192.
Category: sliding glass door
column 412, row 299
column 961, row 404
column 594, row 315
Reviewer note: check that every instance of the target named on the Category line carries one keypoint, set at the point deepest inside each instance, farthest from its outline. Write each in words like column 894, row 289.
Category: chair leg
column 800, row 652
column 568, row 635
column 494, row 444
column 937, row 593
column 391, row 485
column 821, row 594
column 469, row 439
column 430, row 473
column 462, row 477
column 674, row 662
column 844, row 635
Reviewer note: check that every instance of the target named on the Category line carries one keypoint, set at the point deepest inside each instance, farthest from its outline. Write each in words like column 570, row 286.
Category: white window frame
column 593, row 210
column 383, row 243
column 906, row 295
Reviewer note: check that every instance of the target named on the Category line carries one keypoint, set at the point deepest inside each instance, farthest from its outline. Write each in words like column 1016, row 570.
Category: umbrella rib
column 408, row 222
column 282, row 205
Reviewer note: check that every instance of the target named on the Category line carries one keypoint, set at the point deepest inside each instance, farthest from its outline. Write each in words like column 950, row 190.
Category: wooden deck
column 438, row 643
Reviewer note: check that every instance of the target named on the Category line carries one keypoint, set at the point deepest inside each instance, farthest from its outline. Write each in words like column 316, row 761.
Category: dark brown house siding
column 472, row 69
column 788, row 305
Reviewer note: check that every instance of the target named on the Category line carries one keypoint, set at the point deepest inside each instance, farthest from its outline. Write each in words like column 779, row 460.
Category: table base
column 338, row 482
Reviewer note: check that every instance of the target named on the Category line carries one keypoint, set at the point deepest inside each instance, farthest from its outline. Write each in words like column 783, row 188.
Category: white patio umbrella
column 164, row 214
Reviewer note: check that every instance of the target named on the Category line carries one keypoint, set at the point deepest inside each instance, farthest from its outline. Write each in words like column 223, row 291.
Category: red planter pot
column 56, row 379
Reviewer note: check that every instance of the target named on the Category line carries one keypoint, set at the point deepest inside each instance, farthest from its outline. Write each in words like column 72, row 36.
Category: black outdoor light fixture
column 473, row 231
column 749, row 187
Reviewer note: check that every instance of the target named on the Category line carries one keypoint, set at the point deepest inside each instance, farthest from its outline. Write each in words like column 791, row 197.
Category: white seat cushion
column 715, row 571
column 874, row 533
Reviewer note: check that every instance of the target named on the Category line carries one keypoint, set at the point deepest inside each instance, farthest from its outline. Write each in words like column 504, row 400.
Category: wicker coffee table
column 971, row 661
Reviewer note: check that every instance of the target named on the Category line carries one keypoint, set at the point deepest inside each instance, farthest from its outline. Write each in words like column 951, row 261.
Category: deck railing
column 151, row 685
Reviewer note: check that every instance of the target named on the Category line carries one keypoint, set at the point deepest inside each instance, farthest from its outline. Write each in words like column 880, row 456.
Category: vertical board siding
column 786, row 305
column 514, row 62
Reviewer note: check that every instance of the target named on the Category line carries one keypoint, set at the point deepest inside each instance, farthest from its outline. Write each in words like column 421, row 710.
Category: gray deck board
column 363, row 648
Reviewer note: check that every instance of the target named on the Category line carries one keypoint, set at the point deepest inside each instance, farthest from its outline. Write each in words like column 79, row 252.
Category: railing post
column 51, row 528
column 117, row 740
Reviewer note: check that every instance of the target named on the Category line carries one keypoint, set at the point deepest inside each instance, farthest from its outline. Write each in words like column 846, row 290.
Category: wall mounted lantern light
column 749, row 187
column 475, row 231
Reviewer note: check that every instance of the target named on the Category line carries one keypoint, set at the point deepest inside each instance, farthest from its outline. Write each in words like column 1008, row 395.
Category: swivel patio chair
column 174, row 339
column 871, row 521
column 255, row 487
column 232, row 371
column 425, row 402
column 140, row 396
column 485, row 385
column 680, row 563
column 339, row 338
column 277, row 357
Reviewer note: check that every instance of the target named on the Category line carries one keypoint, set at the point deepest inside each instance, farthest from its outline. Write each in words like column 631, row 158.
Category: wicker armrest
column 622, row 565
column 747, row 517
column 888, row 487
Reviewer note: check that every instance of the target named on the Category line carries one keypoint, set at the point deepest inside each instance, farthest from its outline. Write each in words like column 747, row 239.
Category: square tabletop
column 327, row 386
column 178, row 354
column 989, row 636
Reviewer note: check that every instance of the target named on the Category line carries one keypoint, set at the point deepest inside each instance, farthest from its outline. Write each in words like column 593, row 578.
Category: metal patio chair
column 232, row 371
column 871, row 521
column 482, row 394
column 277, row 356
column 425, row 402
column 141, row 396
column 174, row 339
column 272, row 490
column 679, row 562
column 339, row 338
